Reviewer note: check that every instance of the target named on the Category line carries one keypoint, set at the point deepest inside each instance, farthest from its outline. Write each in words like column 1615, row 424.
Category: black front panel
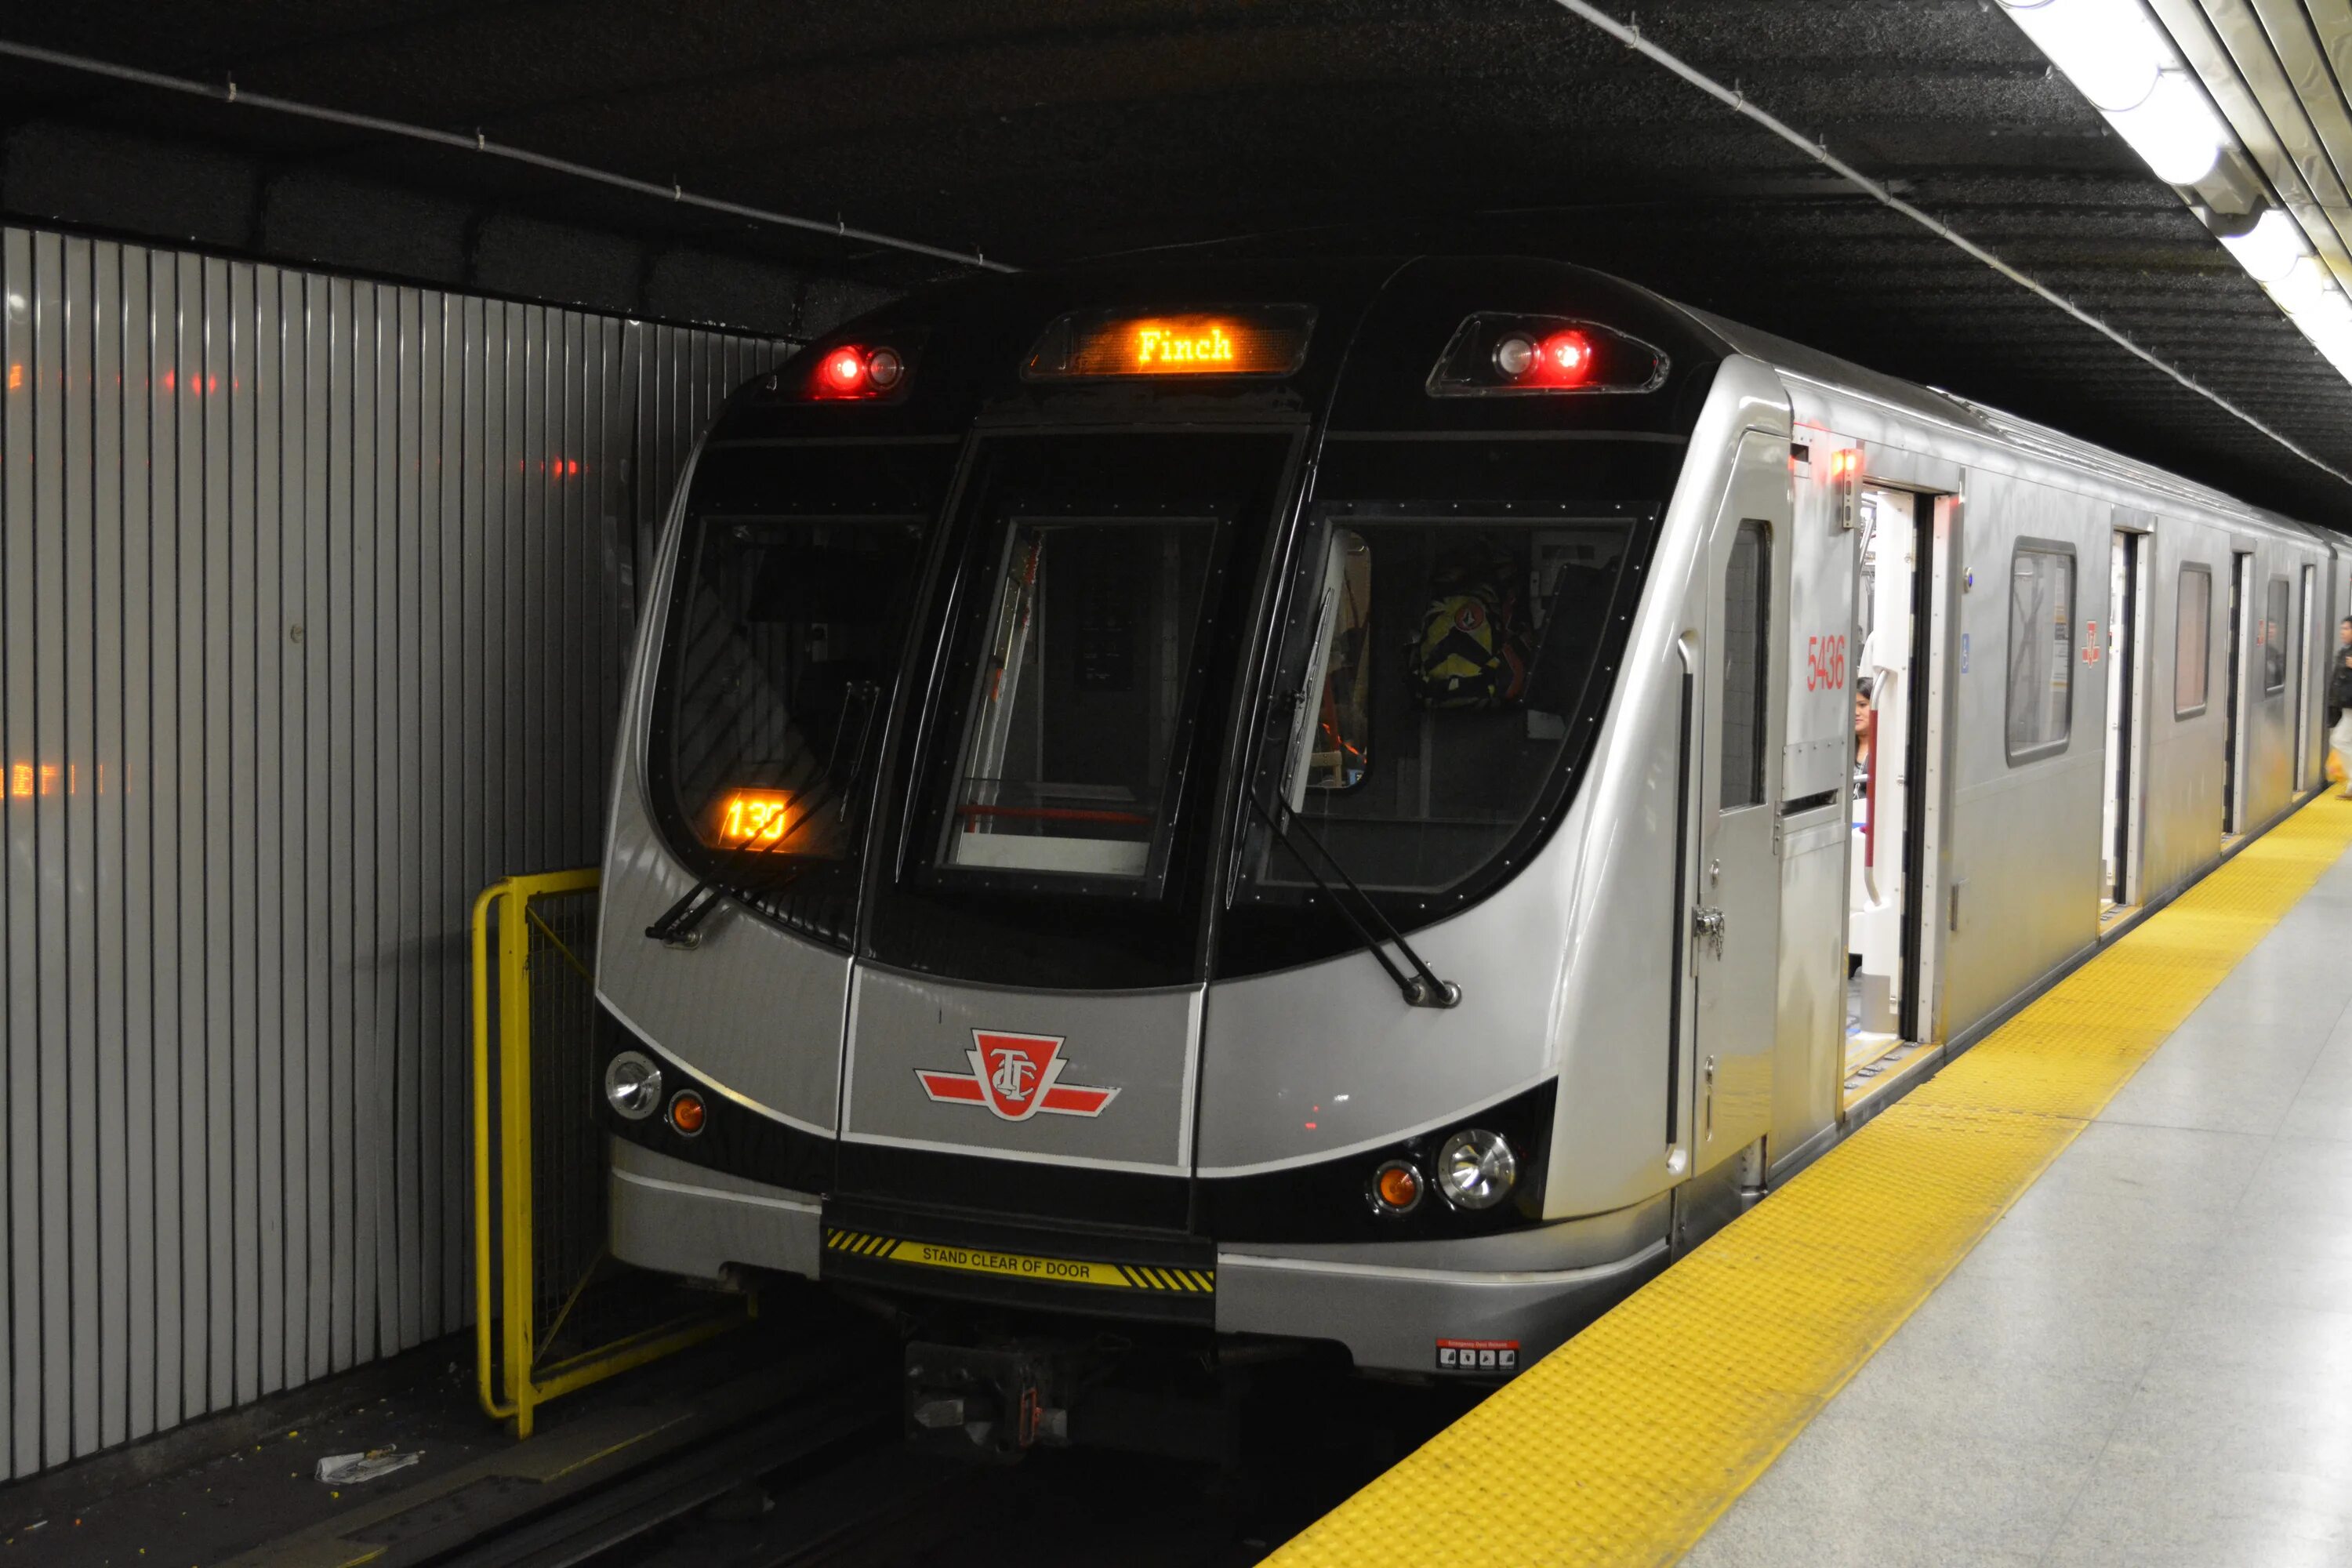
column 981, row 1185
column 1331, row 1199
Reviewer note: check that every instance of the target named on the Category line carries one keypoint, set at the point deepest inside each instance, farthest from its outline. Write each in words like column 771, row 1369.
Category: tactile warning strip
column 1622, row 1447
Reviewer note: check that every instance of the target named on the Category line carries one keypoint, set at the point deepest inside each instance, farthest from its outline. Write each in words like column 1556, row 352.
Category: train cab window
column 2274, row 635
column 1445, row 647
column 1747, row 650
column 1474, row 636
column 1066, row 752
column 795, row 573
column 2192, row 641
column 2041, row 650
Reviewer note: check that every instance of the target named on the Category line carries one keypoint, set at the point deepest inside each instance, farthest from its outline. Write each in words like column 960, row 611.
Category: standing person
column 2339, row 704
column 1865, row 734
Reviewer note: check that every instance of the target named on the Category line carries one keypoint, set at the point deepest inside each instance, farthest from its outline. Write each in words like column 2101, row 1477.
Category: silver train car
column 1372, row 802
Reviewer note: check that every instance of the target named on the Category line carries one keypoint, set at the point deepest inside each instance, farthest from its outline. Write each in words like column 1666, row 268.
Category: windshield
column 1067, row 750
column 795, row 574
column 1063, row 768
column 1451, row 606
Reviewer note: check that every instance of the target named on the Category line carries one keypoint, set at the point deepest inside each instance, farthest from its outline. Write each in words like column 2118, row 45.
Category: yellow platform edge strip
column 1622, row 1446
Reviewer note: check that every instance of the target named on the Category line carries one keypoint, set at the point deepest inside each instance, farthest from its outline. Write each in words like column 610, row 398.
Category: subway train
column 1368, row 803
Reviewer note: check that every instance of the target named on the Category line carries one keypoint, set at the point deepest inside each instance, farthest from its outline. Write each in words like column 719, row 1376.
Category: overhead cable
column 229, row 92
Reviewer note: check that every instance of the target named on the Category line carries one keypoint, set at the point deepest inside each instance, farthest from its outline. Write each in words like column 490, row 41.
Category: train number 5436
column 1825, row 664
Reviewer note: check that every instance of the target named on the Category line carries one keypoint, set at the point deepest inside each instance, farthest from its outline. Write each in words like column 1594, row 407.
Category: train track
column 785, row 1457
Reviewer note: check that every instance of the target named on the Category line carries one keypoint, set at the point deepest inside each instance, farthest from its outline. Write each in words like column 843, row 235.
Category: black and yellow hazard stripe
column 1200, row 1281
column 864, row 1244
column 1164, row 1278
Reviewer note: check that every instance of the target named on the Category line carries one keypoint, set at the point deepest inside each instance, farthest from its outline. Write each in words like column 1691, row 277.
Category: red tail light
column 1499, row 354
column 867, row 372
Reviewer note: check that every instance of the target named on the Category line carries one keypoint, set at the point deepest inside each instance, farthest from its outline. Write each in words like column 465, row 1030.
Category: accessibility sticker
column 1478, row 1355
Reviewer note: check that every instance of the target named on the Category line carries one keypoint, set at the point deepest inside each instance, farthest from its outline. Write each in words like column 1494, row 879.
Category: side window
column 2275, row 636
column 2192, row 635
column 2041, row 650
column 1746, row 610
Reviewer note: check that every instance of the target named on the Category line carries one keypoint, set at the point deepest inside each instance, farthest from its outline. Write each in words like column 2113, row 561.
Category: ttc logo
column 1016, row 1076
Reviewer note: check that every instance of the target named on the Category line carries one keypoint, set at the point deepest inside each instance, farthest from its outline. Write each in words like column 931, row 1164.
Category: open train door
column 1733, row 879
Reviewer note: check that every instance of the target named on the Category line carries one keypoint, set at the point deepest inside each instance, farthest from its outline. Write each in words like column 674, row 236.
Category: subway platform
column 2084, row 1297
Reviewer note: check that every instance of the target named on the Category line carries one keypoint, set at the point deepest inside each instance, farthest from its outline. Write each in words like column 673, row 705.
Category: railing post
column 485, row 1271
column 514, row 1105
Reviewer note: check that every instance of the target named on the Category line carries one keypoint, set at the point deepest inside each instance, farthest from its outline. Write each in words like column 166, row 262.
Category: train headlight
column 1477, row 1170
column 1396, row 1188
column 632, row 1085
column 686, row 1113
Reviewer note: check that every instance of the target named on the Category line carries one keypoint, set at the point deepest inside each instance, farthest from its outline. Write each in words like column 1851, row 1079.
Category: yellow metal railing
column 524, row 1271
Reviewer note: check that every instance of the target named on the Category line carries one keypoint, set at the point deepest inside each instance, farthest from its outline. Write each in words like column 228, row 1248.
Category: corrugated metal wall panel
column 316, row 593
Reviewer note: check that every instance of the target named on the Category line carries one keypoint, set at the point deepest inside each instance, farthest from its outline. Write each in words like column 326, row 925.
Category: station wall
column 314, row 599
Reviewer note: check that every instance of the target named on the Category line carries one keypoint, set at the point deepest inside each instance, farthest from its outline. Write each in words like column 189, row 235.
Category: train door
column 2233, row 718
column 1736, row 874
column 2120, row 826
column 1894, row 865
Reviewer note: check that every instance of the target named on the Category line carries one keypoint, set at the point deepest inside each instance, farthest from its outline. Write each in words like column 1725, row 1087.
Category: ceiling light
column 2115, row 55
column 2107, row 49
column 2299, row 288
column 2270, row 250
column 2174, row 129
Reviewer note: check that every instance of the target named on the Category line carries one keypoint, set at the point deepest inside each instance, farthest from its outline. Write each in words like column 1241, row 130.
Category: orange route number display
column 754, row 819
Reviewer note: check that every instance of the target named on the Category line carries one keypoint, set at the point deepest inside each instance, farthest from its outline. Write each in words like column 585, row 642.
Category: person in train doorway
column 1866, row 737
column 1866, row 747
column 2340, row 710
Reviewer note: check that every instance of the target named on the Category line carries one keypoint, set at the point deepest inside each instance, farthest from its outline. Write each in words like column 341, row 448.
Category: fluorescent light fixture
column 2174, row 129
column 2298, row 290
column 2270, row 250
column 2116, row 56
column 2119, row 58
column 2108, row 49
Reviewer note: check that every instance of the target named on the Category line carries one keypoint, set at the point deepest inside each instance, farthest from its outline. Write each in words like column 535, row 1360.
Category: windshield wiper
column 678, row 924
column 1421, row 988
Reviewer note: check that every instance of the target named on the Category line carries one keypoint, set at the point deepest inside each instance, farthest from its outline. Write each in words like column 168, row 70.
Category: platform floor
column 2149, row 1360
column 2084, row 1297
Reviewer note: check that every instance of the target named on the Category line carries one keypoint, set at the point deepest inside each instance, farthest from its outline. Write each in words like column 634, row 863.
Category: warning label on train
column 1172, row 1278
column 1478, row 1355
column 1014, row 1265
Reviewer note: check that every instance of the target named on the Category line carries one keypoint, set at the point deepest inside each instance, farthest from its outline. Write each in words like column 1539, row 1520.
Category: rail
column 540, row 1206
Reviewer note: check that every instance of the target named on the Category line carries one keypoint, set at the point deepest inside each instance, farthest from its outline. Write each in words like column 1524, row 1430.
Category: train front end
column 1113, row 821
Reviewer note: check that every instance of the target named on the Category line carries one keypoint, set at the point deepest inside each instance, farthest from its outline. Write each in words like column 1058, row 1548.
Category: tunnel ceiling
column 1038, row 132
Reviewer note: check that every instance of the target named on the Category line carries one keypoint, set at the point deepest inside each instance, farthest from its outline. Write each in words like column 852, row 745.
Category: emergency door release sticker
column 1478, row 1355
column 1016, row 1076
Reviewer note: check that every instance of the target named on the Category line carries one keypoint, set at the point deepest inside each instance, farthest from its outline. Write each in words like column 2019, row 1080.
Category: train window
column 1066, row 752
column 1479, row 631
column 2192, row 641
column 2274, row 635
column 2040, row 650
column 1496, row 581
column 1747, row 653
column 794, row 579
